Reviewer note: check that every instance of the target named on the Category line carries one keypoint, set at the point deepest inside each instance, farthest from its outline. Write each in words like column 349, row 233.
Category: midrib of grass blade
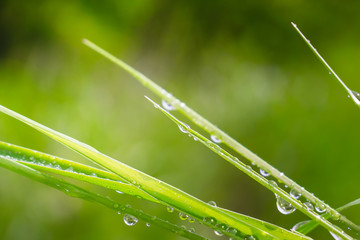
column 75, row 191
column 251, row 173
column 354, row 98
column 45, row 162
column 154, row 187
column 213, row 130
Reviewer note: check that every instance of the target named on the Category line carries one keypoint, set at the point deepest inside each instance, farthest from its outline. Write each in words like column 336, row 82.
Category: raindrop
column 218, row 233
column 209, row 220
column 295, row 194
column 356, row 95
column 273, row 183
column 283, row 206
column 264, row 173
column 215, row 139
column 148, row 224
column 130, row 220
column 308, row 205
column 249, row 238
column 299, row 224
column 184, row 128
column 191, row 220
column 212, row 203
column 170, row 209
column 192, row 230
column 336, row 237
column 320, row 208
column 167, row 106
column 183, row 216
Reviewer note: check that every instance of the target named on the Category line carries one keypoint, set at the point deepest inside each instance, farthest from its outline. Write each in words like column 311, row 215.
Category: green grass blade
column 213, row 130
column 45, row 162
column 249, row 171
column 75, row 191
column 354, row 95
column 154, row 187
column 311, row 225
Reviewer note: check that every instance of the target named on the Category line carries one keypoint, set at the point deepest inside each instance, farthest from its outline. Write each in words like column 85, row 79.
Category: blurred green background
column 238, row 63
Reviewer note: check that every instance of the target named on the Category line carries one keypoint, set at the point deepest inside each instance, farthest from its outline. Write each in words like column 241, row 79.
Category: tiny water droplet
column 264, row 173
column 119, row 213
column 356, row 95
column 309, row 205
column 212, row 203
column 320, row 208
column 170, row 209
column 299, row 224
column 330, row 73
column 215, row 139
column 192, row 230
column 183, row 216
column 209, row 220
column 273, row 183
column 295, row 194
column 191, row 220
column 167, row 106
column 148, row 224
column 130, row 220
column 218, row 233
column 116, row 205
column 249, row 238
column 184, row 128
column 283, row 206
column 232, row 230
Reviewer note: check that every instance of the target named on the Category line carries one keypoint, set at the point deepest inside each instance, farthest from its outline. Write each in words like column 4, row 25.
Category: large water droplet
column 183, row 216
column 283, row 206
column 167, row 106
column 295, row 194
column 320, row 208
column 130, row 220
column 264, row 173
column 215, row 139
column 299, row 224
column 170, row 209
column 212, row 203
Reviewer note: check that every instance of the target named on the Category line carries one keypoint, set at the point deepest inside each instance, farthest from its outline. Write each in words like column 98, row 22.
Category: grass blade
column 154, row 187
column 75, row 191
column 354, row 95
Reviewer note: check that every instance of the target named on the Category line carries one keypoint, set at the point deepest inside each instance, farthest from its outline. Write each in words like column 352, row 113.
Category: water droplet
column 183, row 216
column 170, row 209
column 218, row 233
column 232, row 230
column 330, row 73
column 283, row 206
column 119, row 192
column 320, row 208
column 191, row 220
column 249, row 238
column 148, row 224
column 192, row 230
column 215, row 139
column 309, row 205
column 212, row 203
column 295, row 194
column 299, row 224
column 119, row 213
column 209, row 220
column 116, row 205
column 336, row 237
column 130, row 220
column 264, row 173
column 167, row 106
column 356, row 95
column 273, row 183
column 184, row 128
